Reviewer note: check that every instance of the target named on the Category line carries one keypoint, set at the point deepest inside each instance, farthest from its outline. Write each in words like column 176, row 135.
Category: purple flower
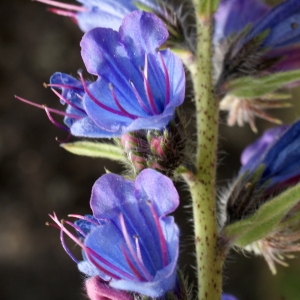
column 272, row 40
column 278, row 150
column 138, row 87
column 98, row 13
column 130, row 242
column 233, row 16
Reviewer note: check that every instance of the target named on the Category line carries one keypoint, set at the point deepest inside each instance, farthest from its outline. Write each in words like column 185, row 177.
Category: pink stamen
column 139, row 99
column 138, row 249
column 84, row 218
column 63, row 5
column 168, row 86
column 62, row 86
column 114, row 111
column 162, row 240
column 127, row 114
column 65, row 140
column 65, row 247
column 90, row 252
column 54, row 122
column 67, row 232
column 61, row 12
column 55, row 111
column 76, row 228
column 67, row 101
column 131, row 266
column 140, row 264
column 147, row 87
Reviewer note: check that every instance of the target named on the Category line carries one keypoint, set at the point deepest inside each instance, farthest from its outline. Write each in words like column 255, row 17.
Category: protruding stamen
column 66, row 248
column 53, row 121
column 63, row 5
column 127, row 114
column 67, row 232
column 62, row 86
column 168, row 86
column 84, row 218
column 55, row 111
column 67, row 101
column 65, row 140
column 147, row 87
column 64, row 13
column 114, row 111
column 140, row 264
column 139, row 99
column 131, row 265
column 162, row 240
column 76, row 228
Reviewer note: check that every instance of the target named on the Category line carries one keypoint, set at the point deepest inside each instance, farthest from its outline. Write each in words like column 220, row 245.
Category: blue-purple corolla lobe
column 279, row 151
column 139, row 86
column 135, row 246
column 282, row 23
column 233, row 16
column 108, row 13
column 72, row 91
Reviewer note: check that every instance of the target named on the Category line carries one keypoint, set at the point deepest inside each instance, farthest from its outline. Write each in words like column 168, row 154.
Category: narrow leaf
column 92, row 149
column 264, row 220
column 252, row 87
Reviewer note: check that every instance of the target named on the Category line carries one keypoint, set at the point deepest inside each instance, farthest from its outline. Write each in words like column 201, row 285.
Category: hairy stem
column 202, row 185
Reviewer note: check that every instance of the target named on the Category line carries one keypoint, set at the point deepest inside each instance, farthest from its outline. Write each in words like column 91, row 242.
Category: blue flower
column 272, row 39
column 278, row 150
column 130, row 242
column 98, row 13
column 138, row 87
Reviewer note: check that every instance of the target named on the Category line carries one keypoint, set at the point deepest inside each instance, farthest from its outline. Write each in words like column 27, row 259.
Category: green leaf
column 264, row 220
column 253, row 87
column 92, row 149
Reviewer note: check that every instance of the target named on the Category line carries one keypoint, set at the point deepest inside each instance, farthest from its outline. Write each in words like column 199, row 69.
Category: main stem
column 202, row 185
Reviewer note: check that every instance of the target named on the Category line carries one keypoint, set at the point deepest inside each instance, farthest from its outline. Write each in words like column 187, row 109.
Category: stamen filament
column 131, row 250
column 168, row 86
column 131, row 265
column 114, row 111
column 63, row 5
column 62, row 86
column 76, row 228
column 138, row 249
column 61, row 12
column 84, row 218
column 65, row 246
column 127, row 114
column 90, row 251
column 55, row 111
column 147, row 87
column 53, row 121
column 162, row 240
column 67, row 101
column 139, row 99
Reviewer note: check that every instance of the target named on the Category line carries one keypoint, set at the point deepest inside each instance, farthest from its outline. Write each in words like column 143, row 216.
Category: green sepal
column 93, row 149
column 264, row 220
column 254, row 87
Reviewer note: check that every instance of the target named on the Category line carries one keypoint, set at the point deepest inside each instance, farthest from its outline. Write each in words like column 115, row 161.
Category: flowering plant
column 138, row 55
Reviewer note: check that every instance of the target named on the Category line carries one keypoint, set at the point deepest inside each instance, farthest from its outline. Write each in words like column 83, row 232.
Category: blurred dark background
column 38, row 177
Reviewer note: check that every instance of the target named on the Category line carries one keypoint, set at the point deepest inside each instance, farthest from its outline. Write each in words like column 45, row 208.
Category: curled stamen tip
column 79, row 72
column 110, row 86
column 45, row 85
column 47, row 223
